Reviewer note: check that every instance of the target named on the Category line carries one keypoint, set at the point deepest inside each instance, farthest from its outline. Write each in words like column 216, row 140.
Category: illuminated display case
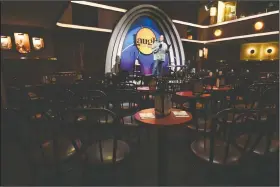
column 6, row 42
column 230, row 11
column 38, row 43
column 226, row 11
column 22, row 42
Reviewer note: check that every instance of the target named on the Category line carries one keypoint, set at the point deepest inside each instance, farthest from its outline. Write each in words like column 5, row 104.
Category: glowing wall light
column 221, row 11
column 213, row 11
column 205, row 52
column 259, row 51
column 218, row 32
column 259, row 25
column 190, row 37
column 251, row 51
column 6, row 42
column 200, row 53
column 38, row 43
column 270, row 50
column 22, row 42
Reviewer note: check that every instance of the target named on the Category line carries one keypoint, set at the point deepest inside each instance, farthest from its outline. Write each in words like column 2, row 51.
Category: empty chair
column 100, row 138
column 219, row 146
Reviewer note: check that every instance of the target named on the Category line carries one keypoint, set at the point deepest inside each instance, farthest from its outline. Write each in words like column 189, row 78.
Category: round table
column 145, row 89
column 167, row 121
column 214, row 88
column 188, row 95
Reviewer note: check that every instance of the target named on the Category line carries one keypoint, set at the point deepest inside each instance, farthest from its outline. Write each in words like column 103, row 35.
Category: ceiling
column 180, row 10
column 32, row 13
column 45, row 14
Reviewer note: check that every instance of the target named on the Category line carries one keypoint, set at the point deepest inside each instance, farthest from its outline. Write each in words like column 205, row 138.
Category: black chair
column 100, row 138
column 249, row 99
column 98, row 99
column 219, row 145
column 265, row 138
column 47, row 149
column 209, row 81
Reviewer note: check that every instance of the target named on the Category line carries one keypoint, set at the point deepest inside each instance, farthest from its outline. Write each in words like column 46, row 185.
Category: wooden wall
column 67, row 50
column 27, row 68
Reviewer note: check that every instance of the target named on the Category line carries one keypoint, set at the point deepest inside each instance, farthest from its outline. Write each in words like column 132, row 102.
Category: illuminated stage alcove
column 138, row 28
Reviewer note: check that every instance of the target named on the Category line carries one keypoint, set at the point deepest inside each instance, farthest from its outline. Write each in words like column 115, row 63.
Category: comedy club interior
column 140, row 93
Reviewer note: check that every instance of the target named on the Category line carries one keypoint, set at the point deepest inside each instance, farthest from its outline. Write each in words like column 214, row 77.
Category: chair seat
column 201, row 148
column 93, row 154
column 260, row 148
column 103, row 119
column 129, row 121
column 45, row 154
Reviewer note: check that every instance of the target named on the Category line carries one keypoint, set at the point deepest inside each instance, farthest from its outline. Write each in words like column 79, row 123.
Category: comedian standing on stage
column 159, row 49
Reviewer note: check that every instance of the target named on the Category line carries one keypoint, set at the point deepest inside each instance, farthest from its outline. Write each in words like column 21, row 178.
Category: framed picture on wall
column 22, row 42
column 6, row 42
column 38, row 43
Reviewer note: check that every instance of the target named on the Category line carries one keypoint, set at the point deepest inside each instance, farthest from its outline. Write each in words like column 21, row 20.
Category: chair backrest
column 79, row 88
column 209, row 81
column 91, row 116
column 92, row 126
column 92, row 123
column 226, row 126
column 97, row 99
column 127, row 95
column 126, row 85
column 270, row 98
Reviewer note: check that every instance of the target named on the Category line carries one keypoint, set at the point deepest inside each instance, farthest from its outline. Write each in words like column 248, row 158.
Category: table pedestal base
column 162, row 156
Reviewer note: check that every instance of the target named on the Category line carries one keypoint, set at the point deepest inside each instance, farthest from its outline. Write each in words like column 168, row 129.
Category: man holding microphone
column 159, row 49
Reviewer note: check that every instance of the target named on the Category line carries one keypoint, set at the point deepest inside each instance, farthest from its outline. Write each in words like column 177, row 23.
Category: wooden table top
column 189, row 94
column 164, row 121
column 145, row 88
column 224, row 88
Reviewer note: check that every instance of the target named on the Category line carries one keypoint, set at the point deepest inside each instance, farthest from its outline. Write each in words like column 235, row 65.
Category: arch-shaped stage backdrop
column 124, row 48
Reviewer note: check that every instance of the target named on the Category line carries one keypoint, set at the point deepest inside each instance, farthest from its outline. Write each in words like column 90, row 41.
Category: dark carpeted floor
column 183, row 167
